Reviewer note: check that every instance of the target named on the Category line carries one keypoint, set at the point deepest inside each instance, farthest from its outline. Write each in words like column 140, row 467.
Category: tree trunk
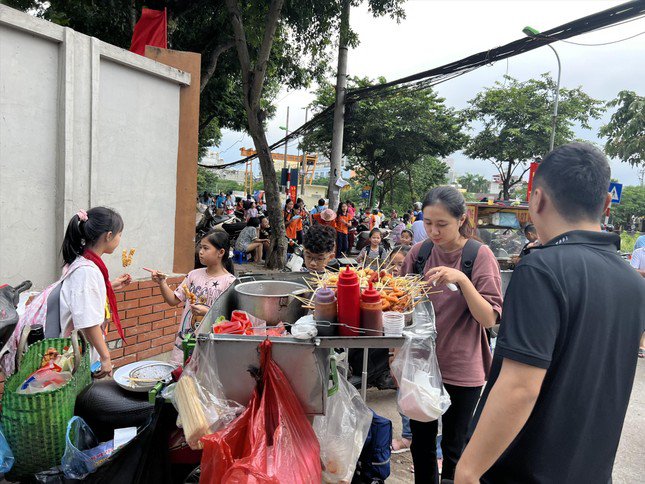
column 253, row 82
column 391, row 191
column 278, row 248
column 411, row 186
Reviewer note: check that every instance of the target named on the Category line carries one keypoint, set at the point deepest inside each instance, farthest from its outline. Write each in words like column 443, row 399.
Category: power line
column 423, row 80
column 603, row 43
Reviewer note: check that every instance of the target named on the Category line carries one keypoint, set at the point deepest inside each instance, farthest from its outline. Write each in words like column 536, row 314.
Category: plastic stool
column 239, row 257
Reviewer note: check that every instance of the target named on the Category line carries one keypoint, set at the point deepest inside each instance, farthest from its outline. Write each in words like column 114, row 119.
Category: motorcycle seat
column 105, row 406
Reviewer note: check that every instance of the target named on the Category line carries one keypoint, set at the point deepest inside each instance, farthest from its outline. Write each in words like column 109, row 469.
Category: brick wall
column 148, row 322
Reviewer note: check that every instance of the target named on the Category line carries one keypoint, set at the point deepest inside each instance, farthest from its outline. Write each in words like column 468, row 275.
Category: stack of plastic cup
column 393, row 323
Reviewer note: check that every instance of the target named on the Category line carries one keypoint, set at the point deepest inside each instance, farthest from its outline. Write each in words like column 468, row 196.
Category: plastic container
column 326, row 309
column 371, row 312
column 349, row 310
column 393, row 323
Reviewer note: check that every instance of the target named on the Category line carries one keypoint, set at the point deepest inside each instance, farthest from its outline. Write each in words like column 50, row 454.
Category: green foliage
column 513, row 123
column 387, row 136
column 208, row 181
column 474, row 183
column 625, row 131
column 628, row 241
column 632, row 203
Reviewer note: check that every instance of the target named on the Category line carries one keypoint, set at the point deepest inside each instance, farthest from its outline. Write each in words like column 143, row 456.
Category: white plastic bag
column 199, row 398
column 342, row 432
column 422, row 396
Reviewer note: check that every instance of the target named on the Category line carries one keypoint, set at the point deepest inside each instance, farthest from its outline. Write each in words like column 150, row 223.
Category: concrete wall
column 82, row 123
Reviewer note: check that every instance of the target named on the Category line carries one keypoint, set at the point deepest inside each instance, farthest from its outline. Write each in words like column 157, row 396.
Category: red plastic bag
column 271, row 442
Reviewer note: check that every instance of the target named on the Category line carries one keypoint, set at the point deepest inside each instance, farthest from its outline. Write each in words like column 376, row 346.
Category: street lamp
column 531, row 32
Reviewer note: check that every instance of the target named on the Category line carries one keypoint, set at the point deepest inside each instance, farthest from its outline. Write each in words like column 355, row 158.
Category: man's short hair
column 320, row 239
column 576, row 177
column 530, row 229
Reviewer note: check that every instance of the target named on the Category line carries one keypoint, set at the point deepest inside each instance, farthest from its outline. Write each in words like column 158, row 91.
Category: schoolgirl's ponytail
column 85, row 229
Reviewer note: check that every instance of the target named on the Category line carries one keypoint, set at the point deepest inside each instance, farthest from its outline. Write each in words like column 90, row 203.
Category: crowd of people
column 547, row 406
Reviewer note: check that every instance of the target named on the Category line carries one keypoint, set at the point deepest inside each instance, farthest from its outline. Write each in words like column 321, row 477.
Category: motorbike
column 232, row 224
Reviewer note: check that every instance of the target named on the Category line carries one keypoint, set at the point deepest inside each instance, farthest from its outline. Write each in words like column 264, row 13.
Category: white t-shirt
column 419, row 231
column 82, row 300
column 638, row 259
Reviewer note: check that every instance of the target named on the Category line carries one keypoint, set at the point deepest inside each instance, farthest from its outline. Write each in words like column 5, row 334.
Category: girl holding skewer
column 201, row 287
column 462, row 316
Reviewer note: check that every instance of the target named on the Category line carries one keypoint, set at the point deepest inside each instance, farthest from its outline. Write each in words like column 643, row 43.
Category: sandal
column 401, row 445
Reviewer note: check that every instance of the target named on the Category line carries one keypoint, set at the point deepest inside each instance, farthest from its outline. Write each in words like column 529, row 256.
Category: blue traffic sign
column 365, row 194
column 616, row 190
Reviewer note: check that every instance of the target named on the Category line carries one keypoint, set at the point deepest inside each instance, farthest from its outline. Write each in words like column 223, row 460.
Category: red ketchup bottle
column 349, row 310
column 371, row 312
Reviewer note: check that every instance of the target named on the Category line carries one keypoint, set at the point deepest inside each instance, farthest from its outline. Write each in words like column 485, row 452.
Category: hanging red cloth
column 151, row 29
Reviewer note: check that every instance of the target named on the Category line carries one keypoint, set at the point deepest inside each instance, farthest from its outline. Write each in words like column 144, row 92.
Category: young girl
column 342, row 229
column 396, row 258
column 207, row 284
column 372, row 255
column 406, row 238
column 462, row 316
column 87, row 288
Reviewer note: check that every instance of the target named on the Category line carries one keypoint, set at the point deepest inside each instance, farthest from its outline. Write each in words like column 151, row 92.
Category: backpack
column 468, row 256
column 373, row 465
column 43, row 310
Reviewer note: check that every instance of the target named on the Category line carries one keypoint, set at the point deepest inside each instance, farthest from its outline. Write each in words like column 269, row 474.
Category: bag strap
column 423, row 256
column 468, row 257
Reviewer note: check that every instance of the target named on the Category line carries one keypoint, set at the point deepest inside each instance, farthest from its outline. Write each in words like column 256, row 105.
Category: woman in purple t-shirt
column 462, row 318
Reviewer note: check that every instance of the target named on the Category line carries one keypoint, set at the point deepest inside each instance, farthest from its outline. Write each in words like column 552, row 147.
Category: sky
column 437, row 32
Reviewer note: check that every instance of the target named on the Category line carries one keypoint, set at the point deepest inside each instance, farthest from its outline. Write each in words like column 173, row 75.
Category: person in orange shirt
column 343, row 223
column 290, row 220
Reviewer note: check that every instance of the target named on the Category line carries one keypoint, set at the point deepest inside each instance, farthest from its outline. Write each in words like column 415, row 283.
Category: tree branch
column 240, row 44
column 265, row 49
column 212, row 63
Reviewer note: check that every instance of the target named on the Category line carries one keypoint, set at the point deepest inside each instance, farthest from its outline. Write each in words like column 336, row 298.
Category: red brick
column 126, row 360
column 138, row 312
column 149, row 353
column 133, row 286
column 141, row 293
column 168, row 347
column 173, row 313
column 167, row 323
column 135, row 348
column 161, row 307
column 175, row 280
column 149, row 318
column 120, row 296
column 144, row 284
column 149, row 335
column 117, row 353
column 164, row 340
column 123, row 305
column 145, row 327
column 149, row 301
column 170, row 330
column 129, row 322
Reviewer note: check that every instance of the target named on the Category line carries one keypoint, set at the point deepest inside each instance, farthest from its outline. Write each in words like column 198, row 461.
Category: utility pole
column 304, row 161
column 339, row 108
column 286, row 144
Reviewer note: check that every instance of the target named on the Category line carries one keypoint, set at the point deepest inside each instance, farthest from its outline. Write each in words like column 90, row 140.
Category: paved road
column 628, row 468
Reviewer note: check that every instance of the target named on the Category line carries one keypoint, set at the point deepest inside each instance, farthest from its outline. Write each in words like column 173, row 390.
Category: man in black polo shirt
column 564, row 364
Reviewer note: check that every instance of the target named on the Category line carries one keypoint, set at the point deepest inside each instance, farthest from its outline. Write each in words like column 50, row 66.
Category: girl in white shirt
column 87, row 293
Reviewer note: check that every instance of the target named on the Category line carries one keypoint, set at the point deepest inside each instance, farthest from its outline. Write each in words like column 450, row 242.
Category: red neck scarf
column 114, row 310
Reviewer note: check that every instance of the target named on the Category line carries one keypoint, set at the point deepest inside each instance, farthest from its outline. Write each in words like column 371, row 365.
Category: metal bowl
column 271, row 301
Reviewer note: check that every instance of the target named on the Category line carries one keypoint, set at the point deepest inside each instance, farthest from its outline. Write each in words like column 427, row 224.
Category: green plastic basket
column 35, row 425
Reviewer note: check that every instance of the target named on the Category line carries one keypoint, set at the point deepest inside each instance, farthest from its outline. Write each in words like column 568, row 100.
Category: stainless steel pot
column 271, row 301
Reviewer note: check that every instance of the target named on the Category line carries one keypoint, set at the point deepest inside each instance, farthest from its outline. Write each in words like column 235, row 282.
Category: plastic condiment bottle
column 349, row 310
column 325, row 305
column 371, row 312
